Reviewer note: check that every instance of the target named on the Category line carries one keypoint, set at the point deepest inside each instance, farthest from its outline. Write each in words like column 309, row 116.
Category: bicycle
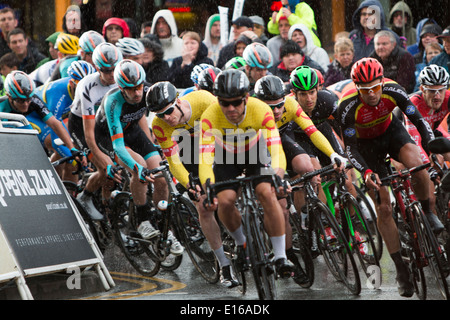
column 258, row 246
column 181, row 217
column 325, row 235
column 358, row 229
column 418, row 241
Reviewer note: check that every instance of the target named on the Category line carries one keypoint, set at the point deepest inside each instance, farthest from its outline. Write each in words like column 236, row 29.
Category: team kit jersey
column 361, row 122
column 188, row 133
column 237, row 138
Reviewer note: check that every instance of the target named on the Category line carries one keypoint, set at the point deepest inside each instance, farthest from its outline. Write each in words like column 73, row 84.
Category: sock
column 238, row 236
column 221, row 258
column 278, row 244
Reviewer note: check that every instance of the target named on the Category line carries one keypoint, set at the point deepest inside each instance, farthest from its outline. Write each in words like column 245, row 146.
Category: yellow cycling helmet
column 67, row 43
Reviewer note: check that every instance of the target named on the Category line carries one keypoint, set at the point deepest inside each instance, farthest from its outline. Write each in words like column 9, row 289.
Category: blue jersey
column 57, row 97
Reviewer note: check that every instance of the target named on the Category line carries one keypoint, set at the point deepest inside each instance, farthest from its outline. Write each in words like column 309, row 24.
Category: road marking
column 146, row 287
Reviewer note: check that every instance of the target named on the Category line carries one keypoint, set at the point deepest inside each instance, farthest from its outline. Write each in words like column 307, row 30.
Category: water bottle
column 162, row 205
column 114, row 193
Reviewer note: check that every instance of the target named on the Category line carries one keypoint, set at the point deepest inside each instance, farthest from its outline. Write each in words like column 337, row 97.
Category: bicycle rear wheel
column 430, row 249
column 189, row 231
column 137, row 252
column 359, row 234
column 262, row 267
column 302, row 249
column 334, row 246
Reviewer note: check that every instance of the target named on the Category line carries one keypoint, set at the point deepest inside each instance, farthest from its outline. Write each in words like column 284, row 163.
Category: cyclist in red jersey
column 370, row 132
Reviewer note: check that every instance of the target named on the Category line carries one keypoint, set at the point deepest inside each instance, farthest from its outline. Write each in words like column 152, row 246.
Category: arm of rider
column 63, row 134
column 343, row 161
column 370, row 184
column 144, row 125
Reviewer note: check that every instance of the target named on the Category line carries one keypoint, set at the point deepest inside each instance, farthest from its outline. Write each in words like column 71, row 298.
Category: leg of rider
column 317, row 181
column 301, row 164
column 230, row 215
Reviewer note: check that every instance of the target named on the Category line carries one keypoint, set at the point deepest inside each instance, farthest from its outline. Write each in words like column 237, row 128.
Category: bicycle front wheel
column 189, row 231
column 430, row 249
column 334, row 247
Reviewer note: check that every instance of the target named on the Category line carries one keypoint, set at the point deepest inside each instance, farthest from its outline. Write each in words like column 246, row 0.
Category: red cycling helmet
column 366, row 70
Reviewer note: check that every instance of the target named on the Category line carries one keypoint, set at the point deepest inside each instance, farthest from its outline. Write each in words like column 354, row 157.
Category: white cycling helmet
column 434, row 75
column 130, row 46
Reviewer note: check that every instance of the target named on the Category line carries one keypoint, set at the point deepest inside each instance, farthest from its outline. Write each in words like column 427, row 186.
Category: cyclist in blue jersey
column 122, row 131
column 20, row 90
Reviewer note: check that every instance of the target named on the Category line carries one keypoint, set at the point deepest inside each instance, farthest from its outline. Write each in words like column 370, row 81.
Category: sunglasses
column 279, row 105
column 107, row 70
column 441, row 91
column 234, row 103
column 168, row 111
column 372, row 89
column 22, row 101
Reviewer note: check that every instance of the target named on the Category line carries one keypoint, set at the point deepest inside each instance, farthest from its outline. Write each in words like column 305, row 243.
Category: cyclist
column 370, row 132
column 223, row 123
column 194, row 77
column 235, row 63
column 176, row 127
column 272, row 91
column 132, row 49
column 88, row 96
column 57, row 96
column 122, row 131
column 206, row 78
column 88, row 41
column 258, row 60
column 20, row 90
column 69, row 45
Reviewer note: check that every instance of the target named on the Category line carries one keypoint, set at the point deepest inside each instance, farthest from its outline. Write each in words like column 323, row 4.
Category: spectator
column 73, row 22
column 292, row 57
column 341, row 67
column 52, row 52
column 401, row 22
column 259, row 28
column 29, row 56
column 165, row 28
column 212, row 37
column 239, row 45
column 431, row 50
column 194, row 52
column 301, row 34
column 414, row 48
column 368, row 19
column 115, row 29
column 296, row 12
column 275, row 43
column 146, row 27
column 156, row 68
column 443, row 59
column 428, row 35
column 8, row 21
column 8, row 62
column 239, row 25
column 133, row 27
column 398, row 64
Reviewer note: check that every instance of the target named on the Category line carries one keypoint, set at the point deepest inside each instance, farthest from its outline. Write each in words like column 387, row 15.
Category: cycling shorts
column 291, row 150
column 76, row 130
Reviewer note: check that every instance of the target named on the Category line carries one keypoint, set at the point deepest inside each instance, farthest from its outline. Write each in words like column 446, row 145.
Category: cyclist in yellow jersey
column 286, row 109
column 176, row 126
column 233, row 129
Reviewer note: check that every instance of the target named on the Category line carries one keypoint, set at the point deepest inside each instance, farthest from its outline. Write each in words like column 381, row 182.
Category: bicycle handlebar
column 406, row 172
column 309, row 175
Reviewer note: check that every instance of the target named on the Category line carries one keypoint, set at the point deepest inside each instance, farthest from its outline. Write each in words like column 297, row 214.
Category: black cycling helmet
column 160, row 95
column 231, row 83
column 270, row 88
column 207, row 77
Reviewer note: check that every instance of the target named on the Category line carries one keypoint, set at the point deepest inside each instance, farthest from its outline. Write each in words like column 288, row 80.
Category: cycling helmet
column 304, row 78
column 106, row 55
column 196, row 71
column 128, row 74
column 434, row 75
column 320, row 77
column 270, row 88
column 130, row 46
column 207, row 77
column 67, row 43
column 258, row 55
column 79, row 69
column 160, row 95
column 18, row 85
column 235, row 63
column 89, row 40
column 231, row 83
column 366, row 70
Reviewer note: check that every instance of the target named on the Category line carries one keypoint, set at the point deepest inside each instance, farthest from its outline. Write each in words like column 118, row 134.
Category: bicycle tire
column 359, row 224
column 301, row 249
column 259, row 253
column 337, row 252
column 442, row 210
column 189, row 231
column 429, row 247
column 371, row 218
column 137, row 253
